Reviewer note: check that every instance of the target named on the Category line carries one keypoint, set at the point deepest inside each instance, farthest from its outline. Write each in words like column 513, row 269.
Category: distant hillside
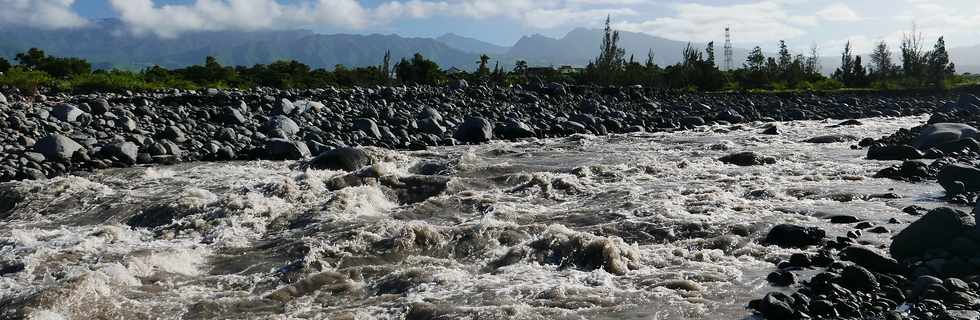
column 581, row 45
column 471, row 45
column 107, row 44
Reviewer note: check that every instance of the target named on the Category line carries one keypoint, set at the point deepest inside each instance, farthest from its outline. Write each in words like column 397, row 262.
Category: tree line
column 697, row 71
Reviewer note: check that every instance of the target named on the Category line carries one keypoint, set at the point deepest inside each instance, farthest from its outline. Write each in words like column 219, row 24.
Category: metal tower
column 729, row 62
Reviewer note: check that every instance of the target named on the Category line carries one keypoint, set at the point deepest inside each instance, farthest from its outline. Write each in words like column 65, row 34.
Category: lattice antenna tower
column 729, row 60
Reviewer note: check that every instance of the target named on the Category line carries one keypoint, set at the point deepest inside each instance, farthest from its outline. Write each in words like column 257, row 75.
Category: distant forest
column 915, row 68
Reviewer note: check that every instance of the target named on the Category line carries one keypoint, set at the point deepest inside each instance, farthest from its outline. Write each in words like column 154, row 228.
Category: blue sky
column 802, row 23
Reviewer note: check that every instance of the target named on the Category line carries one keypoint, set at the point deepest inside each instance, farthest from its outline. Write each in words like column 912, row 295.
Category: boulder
column 935, row 230
column 747, row 159
column 57, row 147
column 232, row 116
column 858, row 278
column 283, row 123
column 870, row 259
column 173, row 133
column 430, row 113
column 832, row 138
column 282, row 149
column 474, row 130
column 958, row 178
column 66, row 112
column 368, row 126
column 893, row 152
column 285, row 107
column 514, row 129
column 3, row 99
column 793, row 236
column 126, row 152
column 346, row 159
column 937, row 134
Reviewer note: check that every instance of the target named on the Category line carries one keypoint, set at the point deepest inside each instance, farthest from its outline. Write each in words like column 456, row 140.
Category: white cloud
column 838, row 12
column 761, row 21
column 144, row 16
column 52, row 14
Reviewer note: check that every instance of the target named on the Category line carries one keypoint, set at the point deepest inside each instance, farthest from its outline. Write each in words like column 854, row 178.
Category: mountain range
column 108, row 44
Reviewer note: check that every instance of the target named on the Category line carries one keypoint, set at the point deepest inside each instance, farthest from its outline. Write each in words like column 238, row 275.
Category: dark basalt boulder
column 282, row 149
column 936, row 134
column 57, row 147
column 793, row 236
column 747, row 159
column 833, row 138
column 345, row 159
column 514, row 129
column 66, row 112
column 368, row 126
column 893, row 152
column 934, row 231
column 474, row 130
column 958, row 178
column 126, row 152
column 282, row 123
column 870, row 259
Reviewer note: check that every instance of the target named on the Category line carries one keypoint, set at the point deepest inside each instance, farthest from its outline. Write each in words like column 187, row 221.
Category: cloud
column 49, row 14
column 838, row 12
column 761, row 21
column 144, row 16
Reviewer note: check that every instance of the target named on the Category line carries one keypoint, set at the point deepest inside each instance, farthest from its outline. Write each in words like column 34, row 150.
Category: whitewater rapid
column 639, row 226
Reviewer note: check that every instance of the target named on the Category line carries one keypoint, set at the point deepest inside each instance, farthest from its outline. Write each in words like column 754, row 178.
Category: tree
column 520, row 67
column 386, row 67
column 650, row 59
column 483, row 71
column 859, row 76
column 844, row 74
column 913, row 57
column 939, row 67
column 418, row 71
column 32, row 59
column 4, row 65
column 756, row 60
column 881, row 61
column 710, row 53
column 813, row 66
column 611, row 57
column 785, row 58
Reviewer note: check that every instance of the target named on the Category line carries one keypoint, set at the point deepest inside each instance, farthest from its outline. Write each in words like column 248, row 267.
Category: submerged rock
column 793, row 236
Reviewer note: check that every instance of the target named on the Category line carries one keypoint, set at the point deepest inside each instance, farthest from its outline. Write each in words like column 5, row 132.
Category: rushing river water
column 642, row 226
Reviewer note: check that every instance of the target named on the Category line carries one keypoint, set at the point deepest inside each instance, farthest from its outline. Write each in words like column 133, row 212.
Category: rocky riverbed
column 50, row 136
column 489, row 203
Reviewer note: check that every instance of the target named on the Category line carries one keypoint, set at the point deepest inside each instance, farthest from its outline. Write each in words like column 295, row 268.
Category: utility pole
column 729, row 60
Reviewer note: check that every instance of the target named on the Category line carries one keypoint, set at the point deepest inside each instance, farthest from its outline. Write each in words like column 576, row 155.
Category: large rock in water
column 346, row 159
column 57, row 147
column 893, row 152
column 124, row 151
column 939, row 133
column 282, row 149
column 833, row 138
column 934, row 231
column 793, row 236
column 474, row 130
column 514, row 129
column 747, row 159
column 868, row 258
column 958, row 178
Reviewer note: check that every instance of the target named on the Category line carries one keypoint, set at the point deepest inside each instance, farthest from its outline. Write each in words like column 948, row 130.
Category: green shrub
column 828, row 85
column 27, row 81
